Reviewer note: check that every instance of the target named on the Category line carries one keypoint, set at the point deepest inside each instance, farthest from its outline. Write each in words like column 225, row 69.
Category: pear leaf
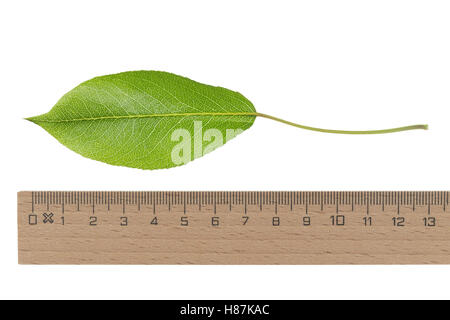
column 155, row 120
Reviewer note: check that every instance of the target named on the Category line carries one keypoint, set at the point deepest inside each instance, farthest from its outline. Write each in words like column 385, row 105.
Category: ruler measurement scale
column 233, row 227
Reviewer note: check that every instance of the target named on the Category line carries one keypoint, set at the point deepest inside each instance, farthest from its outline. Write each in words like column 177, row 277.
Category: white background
column 333, row 64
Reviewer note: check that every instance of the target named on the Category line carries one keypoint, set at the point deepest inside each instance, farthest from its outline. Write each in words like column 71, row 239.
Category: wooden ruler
column 234, row 227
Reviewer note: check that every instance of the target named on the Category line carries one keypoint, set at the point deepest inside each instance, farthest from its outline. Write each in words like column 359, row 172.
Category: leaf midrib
column 155, row 115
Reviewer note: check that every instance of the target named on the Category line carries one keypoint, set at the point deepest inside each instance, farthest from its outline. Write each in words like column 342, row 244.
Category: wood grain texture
column 280, row 228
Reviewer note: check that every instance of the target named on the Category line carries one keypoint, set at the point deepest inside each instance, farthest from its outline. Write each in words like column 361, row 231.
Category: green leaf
column 155, row 120
column 146, row 119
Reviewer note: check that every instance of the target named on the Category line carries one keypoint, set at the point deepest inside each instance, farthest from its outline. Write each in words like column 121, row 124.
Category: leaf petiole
column 392, row 130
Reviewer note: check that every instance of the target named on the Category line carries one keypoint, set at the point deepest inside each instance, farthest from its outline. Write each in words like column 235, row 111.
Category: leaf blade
column 128, row 119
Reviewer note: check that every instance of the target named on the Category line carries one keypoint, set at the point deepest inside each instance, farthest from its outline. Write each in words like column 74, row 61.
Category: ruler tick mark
column 139, row 201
